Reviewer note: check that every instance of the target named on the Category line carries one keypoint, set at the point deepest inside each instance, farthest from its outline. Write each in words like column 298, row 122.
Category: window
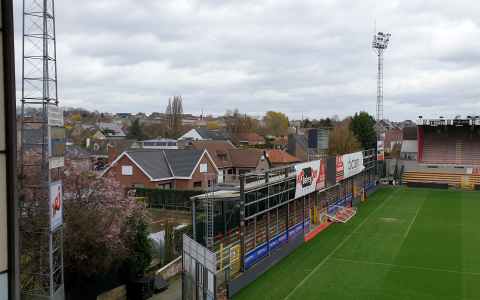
column 168, row 186
column 127, row 170
column 161, row 186
column 138, row 185
column 224, row 158
column 263, row 157
column 197, row 185
column 203, row 168
column 95, row 146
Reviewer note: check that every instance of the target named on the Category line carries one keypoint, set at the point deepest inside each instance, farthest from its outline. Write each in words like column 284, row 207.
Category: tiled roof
column 217, row 150
column 280, row 156
column 245, row 157
column 280, row 141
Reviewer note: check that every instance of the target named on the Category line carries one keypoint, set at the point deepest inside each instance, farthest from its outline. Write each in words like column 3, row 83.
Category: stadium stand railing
column 451, row 151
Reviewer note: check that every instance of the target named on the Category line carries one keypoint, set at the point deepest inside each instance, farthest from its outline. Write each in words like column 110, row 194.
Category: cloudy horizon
column 302, row 58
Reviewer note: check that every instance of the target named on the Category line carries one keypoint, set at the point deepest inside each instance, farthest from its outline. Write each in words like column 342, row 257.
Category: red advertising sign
column 321, row 176
column 340, row 168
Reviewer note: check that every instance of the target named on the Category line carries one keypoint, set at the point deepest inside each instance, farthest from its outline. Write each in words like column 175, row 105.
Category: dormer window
column 108, row 145
column 95, row 147
column 224, row 158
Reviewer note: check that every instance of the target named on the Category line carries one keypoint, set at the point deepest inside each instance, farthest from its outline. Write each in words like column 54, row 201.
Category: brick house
column 247, row 139
column 280, row 143
column 248, row 160
column 167, row 169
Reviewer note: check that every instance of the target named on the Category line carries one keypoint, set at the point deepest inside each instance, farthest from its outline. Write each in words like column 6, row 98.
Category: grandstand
column 449, row 142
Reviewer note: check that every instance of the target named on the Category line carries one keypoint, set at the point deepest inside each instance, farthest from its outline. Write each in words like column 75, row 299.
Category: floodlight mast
column 379, row 45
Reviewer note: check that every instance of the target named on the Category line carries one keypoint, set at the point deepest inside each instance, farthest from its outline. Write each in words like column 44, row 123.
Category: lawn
column 403, row 243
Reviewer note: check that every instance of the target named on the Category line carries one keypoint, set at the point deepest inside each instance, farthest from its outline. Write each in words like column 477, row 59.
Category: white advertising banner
column 307, row 174
column 55, row 116
column 353, row 164
column 56, row 205
column 477, row 122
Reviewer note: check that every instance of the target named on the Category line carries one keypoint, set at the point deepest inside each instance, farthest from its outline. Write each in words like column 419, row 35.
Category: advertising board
column 353, row 164
column 55, row 115
column 307, row 174
column 380, row 145
column 278, row 241
column 295, row 230
column 56, row 204
column 339, row 167
column 321, row 176
column 255, row 255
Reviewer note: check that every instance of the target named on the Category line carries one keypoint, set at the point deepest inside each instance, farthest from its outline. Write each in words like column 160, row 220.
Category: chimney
column 112, row 154
column 88, row 142
column 291, row 144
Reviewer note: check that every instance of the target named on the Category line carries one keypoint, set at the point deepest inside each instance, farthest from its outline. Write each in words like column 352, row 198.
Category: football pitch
column 403, row 243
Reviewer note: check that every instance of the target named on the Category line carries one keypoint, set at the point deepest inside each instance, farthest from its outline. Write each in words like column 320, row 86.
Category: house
column 159, row 143
column 111, row 130
column 166, row 169
column 392, row 138
column 31, row 137
column 79, row 128
column 218, row 151
column 297, row 147
column 78, row 157
column 247, row 139
column 280, row 143
column 123, row 115
column 99, row 147
column 280, row 158
column 248, row 160
column 202, row 133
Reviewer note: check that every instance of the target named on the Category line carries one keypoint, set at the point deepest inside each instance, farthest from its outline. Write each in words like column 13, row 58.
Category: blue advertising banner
column 341, row 202
column 278, row 241
column 261, row 252
column 332, row 208
column 372, row 184
column 295, row 230
column 367, row 187
column 255, row 255
column 349, row 198
column 306, row 223
column 250, row 258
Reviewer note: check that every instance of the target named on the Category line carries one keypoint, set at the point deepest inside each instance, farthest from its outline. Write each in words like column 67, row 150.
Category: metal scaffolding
column 41, row 268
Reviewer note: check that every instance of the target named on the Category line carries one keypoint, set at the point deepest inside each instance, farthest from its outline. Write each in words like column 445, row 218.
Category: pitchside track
column 403, row 243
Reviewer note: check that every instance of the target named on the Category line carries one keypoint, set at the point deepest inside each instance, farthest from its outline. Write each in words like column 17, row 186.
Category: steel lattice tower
column 379, row 45
column 41, row 248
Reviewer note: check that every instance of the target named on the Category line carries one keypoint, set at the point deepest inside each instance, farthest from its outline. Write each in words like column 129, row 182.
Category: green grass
column 403, row 243
column 154, row 212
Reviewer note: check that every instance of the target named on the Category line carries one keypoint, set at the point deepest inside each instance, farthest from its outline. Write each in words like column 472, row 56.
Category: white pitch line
column 400, row 266
column 319, row 265
column 412, row 223
column 381, row 234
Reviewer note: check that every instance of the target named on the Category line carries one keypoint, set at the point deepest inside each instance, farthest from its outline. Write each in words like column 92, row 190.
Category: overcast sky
column 310, row 58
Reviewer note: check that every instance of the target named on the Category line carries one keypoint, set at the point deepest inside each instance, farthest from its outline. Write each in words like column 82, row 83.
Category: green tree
column 107, row 132
column 76, row 118
column 276, row 123
column 83, row 143
column 362, row 126
column 214, row 126
column 325, row 123
column 136, row 132
column 342, row 141
column 135, row 264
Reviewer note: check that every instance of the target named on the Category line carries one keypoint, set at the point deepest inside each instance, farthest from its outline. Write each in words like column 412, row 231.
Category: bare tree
column 174, row 112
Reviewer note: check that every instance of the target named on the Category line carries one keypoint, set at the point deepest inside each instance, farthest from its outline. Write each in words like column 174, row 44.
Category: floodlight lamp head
column 441, row 117
column 420, row 117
